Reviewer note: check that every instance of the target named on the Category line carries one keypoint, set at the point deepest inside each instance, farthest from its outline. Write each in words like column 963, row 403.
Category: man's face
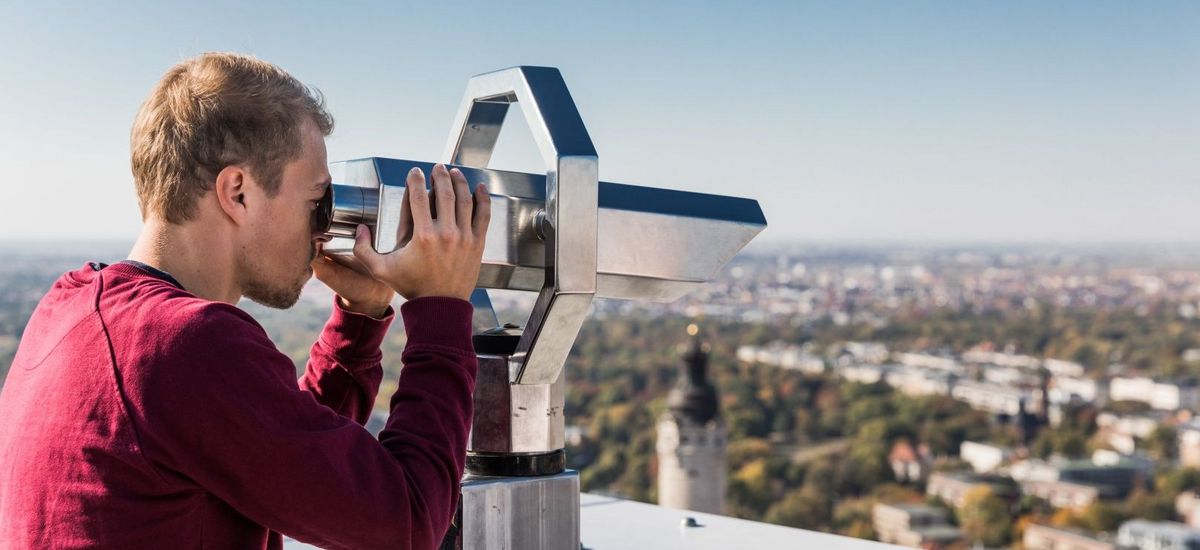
column 280, row 245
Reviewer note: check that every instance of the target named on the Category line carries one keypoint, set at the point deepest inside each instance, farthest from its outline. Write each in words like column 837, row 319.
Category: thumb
column 364, row 252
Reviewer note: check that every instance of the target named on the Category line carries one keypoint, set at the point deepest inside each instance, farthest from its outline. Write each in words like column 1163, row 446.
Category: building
column 1138, row 461
column 1162, row 395
column 1122, row 431
column 927, row 361
column 1189, row 444
column 863, row 374
column 953, row 487
column 919, row 381
column 1063, row 494
column 983, row 457
column 1060, row 368
column 1002, row 359
column 1072, row 389
column 1187, row 505
column 1034, row 469
column 914, row 525
column 909, row 464
column 1042, row 537
column 691, row 439
column 872, row 353
column 784, row 356
column 1157, row 535
column 1111, row 479
column 991, row 397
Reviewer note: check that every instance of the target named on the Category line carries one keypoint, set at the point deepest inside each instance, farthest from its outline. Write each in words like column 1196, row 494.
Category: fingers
column 405, row 229
column 463, row 203
column 443, row 192
column 483, row 213
column 365, row 253
column 418, row 200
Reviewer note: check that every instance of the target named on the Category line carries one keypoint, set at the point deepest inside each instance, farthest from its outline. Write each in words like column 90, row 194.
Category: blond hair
column 212, row 111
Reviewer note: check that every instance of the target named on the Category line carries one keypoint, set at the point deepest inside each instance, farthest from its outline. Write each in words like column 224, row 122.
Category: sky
column 962, row 122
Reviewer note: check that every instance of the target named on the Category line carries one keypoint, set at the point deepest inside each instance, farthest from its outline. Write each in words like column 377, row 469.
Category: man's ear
column 230, row 187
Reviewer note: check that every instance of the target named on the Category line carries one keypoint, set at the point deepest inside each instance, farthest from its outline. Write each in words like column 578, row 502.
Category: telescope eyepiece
column 322, row 216
column 344, row 208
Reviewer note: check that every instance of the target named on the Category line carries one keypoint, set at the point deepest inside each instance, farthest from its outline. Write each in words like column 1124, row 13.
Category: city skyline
column 860, row 122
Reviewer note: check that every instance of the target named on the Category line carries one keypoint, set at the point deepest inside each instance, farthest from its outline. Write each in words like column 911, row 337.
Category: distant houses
column 914, row 525
column 1167, row 395
column 1028, row 393
column 1044, row 537
column 1157, row 535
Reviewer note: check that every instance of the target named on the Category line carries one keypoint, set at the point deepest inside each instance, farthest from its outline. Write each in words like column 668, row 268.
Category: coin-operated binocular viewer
column 570, row 238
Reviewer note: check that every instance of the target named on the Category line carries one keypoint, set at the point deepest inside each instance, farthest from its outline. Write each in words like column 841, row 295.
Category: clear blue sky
column 913, row 121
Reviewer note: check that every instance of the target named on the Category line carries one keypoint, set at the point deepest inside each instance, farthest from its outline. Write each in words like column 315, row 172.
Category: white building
column 863, row 374
column 1065, row 389
column 1122, row 431
column 1157, row 535
column 1187, row 505
column 1058, row 367
column 1002, row 359
column 928, row 361
column 1167, row 396
column 1189, row 443
column 862, row 352
column 1008, row 375
column 1043, row 537
column 983, row 457
column 996, row 398
column 1034, row 469
column 912, row 525
column 919, row 381
column 783, row 356
column 691, row 441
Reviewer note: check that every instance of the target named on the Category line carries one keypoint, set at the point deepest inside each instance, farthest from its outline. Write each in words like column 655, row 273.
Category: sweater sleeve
column 224, row 411
column 344, row 367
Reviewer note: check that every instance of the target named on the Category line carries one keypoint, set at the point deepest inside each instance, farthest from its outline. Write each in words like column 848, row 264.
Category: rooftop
column 649, row 526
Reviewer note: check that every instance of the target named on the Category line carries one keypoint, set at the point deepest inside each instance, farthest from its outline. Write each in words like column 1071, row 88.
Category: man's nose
column 321, row 238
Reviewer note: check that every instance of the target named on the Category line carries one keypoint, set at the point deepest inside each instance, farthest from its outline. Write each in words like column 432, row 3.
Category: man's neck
column 193, row 255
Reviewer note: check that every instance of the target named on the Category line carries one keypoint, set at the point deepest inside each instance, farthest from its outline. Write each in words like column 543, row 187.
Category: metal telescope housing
column 565, row 235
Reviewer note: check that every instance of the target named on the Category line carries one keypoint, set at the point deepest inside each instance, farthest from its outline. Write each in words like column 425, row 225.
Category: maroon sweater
column 136, row 415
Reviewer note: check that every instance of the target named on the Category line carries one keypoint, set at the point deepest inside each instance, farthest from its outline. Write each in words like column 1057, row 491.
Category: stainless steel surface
column 527, row 513
column 352, row 206
column 515, row 418
column 654, row 244
column 571, row 187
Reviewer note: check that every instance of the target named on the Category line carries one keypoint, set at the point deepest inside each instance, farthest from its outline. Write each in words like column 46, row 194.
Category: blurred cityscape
column 935, row 397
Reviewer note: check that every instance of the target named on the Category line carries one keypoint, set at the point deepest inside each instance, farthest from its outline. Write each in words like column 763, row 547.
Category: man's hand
column 356, row 292
column 437, row 256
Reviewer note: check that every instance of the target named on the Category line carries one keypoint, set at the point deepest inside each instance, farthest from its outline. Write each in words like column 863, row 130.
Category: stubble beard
column 274, row 294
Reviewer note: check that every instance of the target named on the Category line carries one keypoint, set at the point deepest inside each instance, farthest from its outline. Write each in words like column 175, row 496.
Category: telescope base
column 534, row 513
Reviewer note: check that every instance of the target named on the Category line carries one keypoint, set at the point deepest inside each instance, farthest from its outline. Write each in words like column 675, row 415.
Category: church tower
column 691, row 439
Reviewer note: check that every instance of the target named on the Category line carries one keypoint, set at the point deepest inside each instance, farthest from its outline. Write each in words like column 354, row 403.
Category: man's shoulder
column 165, row 339
column 150, row 313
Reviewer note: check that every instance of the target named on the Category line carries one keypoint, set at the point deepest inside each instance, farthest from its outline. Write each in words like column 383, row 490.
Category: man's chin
column 277, row 298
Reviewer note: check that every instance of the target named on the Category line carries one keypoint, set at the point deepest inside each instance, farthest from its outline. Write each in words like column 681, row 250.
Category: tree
column 985, row 518
column 1100, row 517
column 1162, row 444
column 807, row 508
column 1177, row 481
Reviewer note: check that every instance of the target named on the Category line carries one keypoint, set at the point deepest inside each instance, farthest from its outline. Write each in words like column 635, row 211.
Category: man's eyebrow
column 320, row 185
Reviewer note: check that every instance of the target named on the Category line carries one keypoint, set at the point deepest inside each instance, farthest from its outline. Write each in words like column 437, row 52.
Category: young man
column 144, row 410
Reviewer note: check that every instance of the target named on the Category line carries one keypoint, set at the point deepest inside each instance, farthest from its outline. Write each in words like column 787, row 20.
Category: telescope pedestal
column 537, row 513
column 517, row 492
